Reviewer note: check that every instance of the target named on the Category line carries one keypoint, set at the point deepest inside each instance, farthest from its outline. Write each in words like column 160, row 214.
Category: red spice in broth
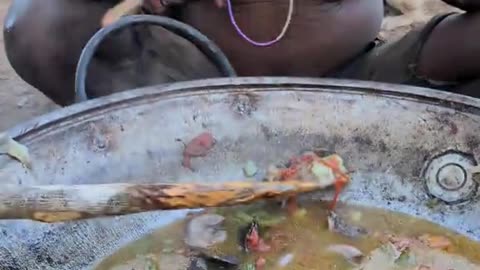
column 254, row 242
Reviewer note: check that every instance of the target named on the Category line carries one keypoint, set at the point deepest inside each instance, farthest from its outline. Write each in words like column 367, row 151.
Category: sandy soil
column 20, row 101
column 410, row 14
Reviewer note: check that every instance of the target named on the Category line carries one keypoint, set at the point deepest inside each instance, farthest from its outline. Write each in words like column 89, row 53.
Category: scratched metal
column 385, row 132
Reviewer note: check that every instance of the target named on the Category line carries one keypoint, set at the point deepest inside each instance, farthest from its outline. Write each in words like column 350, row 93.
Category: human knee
column 43, row 40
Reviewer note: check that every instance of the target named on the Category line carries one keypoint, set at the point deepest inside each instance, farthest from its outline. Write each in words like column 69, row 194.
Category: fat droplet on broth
column 285, row 260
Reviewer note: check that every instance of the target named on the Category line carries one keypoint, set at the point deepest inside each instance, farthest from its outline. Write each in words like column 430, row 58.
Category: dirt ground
column 20, row 101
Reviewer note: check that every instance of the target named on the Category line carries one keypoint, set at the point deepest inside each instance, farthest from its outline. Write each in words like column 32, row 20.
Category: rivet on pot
column 447, row 178
column 452, row 177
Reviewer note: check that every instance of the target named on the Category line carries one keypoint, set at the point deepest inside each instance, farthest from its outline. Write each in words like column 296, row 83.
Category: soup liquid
column 303, row 237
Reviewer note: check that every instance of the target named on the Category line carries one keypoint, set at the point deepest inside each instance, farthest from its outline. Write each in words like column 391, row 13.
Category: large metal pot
column 405, row 145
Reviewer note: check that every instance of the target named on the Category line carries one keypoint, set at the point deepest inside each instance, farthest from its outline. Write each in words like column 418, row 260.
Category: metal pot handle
column 205, row 45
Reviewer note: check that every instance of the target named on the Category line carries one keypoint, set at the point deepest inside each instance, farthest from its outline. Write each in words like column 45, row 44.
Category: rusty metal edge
column 29, row 129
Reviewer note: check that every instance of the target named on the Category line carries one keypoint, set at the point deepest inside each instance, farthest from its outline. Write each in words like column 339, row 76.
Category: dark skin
column 318, row 40
column 44, row 39
column 467, row 5
column 324, row 35
column 461, row 61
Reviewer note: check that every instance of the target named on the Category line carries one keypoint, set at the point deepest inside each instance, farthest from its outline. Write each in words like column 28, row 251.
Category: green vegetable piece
column 250, row 169
column 324, row 174
column 271, row 221
column 167, row 242
column 167, row 250
column 151, row 264
column 266, row 219
column 263, row 218
column 405, row 260
column 300, row 213
column 10, row 147
column 243, row 217
column 249, row 266
column 391, row 251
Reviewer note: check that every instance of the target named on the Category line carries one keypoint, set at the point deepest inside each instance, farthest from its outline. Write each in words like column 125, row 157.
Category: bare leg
column 44, row 39
column 452, row 52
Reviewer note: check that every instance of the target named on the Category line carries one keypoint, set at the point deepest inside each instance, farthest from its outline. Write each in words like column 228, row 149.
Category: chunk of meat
column 260, row 263
column 197, row 147
column 204, row 231
column 435, row 241
column 401, row 244
column 341, row 226
column 326, row 171
column 350, row 253
column 253, row 241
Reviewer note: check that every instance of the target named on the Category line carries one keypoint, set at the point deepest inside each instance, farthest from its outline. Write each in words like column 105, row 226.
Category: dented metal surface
column 388, row 134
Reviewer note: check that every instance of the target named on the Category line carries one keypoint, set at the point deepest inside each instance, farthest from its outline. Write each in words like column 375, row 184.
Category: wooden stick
column 58, row 203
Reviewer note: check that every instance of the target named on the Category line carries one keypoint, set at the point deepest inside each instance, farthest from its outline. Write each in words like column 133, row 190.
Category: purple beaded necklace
column 253, row 42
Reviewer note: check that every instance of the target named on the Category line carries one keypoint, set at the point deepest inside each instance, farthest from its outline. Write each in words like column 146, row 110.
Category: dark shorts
column 396, row 62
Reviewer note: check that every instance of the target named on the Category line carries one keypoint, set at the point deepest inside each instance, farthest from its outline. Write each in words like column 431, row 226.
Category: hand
column 129, row 7
column 159, row 6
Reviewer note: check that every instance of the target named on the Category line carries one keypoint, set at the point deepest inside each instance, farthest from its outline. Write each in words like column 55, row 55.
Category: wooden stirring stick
column 59, row 203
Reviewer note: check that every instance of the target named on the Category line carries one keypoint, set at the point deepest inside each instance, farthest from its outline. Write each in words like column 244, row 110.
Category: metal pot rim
column 426, row 95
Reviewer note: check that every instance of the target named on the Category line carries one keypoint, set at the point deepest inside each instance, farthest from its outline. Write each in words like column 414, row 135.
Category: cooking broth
column 303, row 240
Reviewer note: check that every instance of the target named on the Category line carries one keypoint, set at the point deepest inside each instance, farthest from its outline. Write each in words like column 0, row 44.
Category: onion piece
column 250, row 169
column 285, row 260
column 350, row 253
column 205, row 230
